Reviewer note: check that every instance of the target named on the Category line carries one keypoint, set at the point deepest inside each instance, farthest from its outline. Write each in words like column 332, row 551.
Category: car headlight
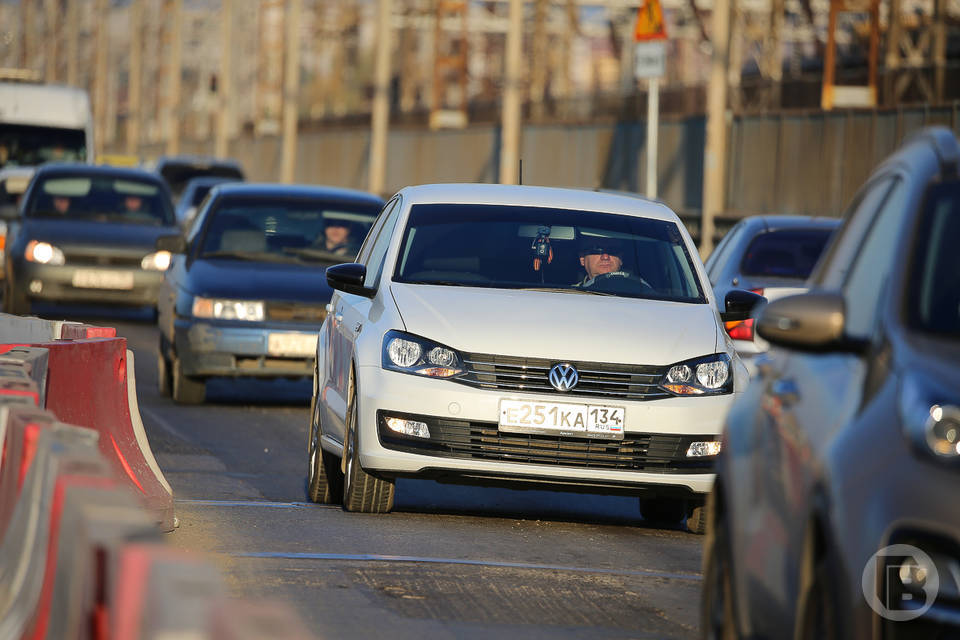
column 412, row 354
column 931, row 418
column 251, row 310
column 709, row 375
column 156, row 261
column 43, row 253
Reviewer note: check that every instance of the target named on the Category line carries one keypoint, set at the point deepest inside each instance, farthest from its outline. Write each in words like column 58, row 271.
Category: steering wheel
column 621, row 282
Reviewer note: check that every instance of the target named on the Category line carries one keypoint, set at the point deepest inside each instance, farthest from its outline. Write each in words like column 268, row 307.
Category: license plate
column 102, row 279
column 559, row 418
column 292, row 344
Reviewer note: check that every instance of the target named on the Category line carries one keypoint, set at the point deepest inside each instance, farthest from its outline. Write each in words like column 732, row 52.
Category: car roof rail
column 944, row 144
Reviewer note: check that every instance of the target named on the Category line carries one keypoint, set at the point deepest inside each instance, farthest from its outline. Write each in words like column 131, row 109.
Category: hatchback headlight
column 156, row 261
column 251, row 310
column 412, row 354
column 43, row 253
column 709, row 375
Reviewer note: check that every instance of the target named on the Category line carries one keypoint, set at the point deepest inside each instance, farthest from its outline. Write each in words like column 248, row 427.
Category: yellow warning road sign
column 650, row 24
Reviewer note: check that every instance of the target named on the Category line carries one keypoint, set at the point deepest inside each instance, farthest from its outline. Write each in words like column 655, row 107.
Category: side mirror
column 806, row 322
column 740, row 305
column 349, row 278
column 173, row 244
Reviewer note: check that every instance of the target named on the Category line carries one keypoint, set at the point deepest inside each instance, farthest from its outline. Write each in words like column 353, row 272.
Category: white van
column 42, row 123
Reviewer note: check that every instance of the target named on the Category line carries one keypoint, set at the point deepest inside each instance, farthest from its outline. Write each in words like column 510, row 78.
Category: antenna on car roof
column 520, row 177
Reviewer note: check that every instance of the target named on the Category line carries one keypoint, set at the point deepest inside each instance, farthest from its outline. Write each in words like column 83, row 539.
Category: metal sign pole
column 653, row 126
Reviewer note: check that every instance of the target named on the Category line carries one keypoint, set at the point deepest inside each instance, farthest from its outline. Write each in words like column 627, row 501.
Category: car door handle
column 357, row 327
column 786, row 391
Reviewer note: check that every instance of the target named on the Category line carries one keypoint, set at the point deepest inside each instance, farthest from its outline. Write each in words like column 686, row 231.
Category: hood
column 246, row 280
column 565, row 326
column 92, row 234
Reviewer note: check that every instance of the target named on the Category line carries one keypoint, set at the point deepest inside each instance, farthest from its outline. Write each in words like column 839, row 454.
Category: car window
column 304, row 229
column 831, row 271
column 379, row 250
column 517, row 247
column 784, row 253
column 368, row 242
column 934, row 296
column 102, row 198
column 715, row 261
column 871, row 269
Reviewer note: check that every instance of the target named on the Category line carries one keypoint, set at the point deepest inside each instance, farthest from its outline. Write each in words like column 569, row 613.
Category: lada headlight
column 43, row 253
column 709, row 375
column 156, row 261
column 408, row 353
column 250, row 310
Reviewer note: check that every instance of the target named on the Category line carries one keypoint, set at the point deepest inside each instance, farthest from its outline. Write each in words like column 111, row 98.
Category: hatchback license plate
column 102, row 279
column 300, row 345
column 557, row 418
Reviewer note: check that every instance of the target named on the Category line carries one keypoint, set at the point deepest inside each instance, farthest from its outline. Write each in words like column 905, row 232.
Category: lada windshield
column 514, row 247
column 301, row 229
column 100, row 198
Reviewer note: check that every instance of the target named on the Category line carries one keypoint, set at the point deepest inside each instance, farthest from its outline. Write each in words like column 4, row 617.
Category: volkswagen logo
column 564, row 377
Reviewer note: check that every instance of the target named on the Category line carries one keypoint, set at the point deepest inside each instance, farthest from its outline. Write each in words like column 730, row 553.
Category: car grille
column 296, row 312
column 597, row 380
column 103, row 260
column 661, row 453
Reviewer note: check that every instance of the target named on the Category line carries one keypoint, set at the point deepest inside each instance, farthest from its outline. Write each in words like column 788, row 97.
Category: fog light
column 703, row 449
column 409, row 427
column 36, row 286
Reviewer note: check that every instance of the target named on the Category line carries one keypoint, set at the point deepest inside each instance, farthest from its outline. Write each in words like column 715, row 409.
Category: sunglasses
column 598, row 250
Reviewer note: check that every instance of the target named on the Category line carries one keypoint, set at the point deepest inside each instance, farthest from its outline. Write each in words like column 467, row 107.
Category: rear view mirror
column 806, row 322
column 349, row 278
column 173, row 244
column 740, row 305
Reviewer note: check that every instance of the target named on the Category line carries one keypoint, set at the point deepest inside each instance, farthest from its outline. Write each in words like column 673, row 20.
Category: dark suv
column 834, row 513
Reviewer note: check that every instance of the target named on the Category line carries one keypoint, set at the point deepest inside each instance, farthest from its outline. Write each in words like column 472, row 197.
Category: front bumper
column 219, row 349
column 54, row 283
column 455, row 404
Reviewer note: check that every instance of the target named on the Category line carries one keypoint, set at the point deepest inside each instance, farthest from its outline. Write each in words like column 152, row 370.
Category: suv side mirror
column 807, row 322
column 349, row 278
column 173, row 244
column 740, row 305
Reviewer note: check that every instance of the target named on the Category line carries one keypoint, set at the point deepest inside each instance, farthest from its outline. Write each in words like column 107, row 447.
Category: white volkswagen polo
column 538, row 337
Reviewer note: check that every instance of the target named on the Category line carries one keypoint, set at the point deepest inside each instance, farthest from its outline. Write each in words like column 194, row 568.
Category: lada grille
column 597, row 379
column 657, row 453
column 296, row 312
column 103, row 259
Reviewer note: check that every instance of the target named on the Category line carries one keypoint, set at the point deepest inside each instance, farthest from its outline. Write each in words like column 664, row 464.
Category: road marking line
column 253, row 503
column 365, row 557
column 162, row 423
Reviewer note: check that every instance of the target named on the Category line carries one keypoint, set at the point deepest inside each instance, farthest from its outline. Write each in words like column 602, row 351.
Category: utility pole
column 26, row 33
column 510, row 119
column 100, row 76
column 381, row 99
column 173, row 99
column 53, row 42
column 134, row 90
column 775, row 52
column 73, row 42
column 291, row 92
column 538, row 60
column 715, row 154
column 224, row 81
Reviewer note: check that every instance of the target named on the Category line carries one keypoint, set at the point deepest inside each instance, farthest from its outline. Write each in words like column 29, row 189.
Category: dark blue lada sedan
column 246, row 291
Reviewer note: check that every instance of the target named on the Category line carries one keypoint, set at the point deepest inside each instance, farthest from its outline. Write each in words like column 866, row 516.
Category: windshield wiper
column 570, row 290
column 445, row 283
column 258, row 256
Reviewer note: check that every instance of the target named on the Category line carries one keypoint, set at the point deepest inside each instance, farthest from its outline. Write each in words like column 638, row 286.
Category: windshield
column 539, row 248
column 934, row 297
column 785, row 253
column 178, row 175
column 271, row 228
column 125, row 199
column 22, row 145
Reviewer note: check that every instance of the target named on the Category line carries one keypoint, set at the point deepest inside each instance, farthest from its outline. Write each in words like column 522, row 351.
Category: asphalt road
column 449, row 562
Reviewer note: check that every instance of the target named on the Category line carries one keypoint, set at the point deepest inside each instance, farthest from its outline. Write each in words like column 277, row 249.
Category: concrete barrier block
column 20, row 330
column 34, row 361
column 19, row 389
column 19, row 426
column 76, row 331
column 242, row 619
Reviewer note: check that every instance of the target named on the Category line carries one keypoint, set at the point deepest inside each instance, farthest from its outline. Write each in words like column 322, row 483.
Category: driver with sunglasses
column 602, row 259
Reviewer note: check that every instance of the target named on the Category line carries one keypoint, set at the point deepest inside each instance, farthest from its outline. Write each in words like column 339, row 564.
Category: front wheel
column 164, row 376
column 662, row 510
column 15, row 303
column 324, row 479
column 362, row 492
column 186, row 390
column 717, row 618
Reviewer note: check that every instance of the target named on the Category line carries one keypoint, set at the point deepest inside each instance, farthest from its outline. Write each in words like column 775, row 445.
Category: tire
column 662, row 510
column 14, row 303
column 815, row 610
column 697, row 519
column 362, row 492
column 186, row 390
column 164, row 377
column 717, row 613
column 324, row 478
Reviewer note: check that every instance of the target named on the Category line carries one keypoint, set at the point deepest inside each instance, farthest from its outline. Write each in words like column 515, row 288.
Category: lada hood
column 74, row 234
column 561, row 326
column 246, row 280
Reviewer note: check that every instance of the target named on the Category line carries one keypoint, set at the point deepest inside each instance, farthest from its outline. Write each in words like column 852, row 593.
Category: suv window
column 714, row 263
column 934, row 297
column 784, row 253
column 871, row 269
